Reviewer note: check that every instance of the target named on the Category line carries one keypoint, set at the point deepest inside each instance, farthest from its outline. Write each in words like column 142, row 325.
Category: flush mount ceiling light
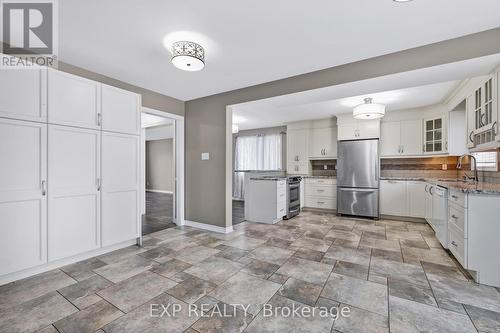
column 369, row 110
column 188, row 56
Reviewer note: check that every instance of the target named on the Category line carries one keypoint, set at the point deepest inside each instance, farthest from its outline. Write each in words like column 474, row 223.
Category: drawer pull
column 454, row 217
column 321, row 202
column 454, row 197
column 454, row 244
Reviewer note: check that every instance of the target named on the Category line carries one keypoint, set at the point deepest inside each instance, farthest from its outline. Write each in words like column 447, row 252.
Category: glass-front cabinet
column 435, row 139
column 483, row 114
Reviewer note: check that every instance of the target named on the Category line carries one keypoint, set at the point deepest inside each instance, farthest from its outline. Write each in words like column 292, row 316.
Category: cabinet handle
column 470, row 136
column 321, row 202
column 493, row 128
column 402, row 149
column 98, row 184
column 454, row 244
column 454, row 217
column 454, row 196
column 481, row 123
column 99, row 120
column 320, row 190
column 44, row 189
column 426, row 186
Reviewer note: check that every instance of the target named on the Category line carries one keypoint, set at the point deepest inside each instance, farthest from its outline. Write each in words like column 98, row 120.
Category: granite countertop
column 270, row 178
column 325, row 177
column 457, row 185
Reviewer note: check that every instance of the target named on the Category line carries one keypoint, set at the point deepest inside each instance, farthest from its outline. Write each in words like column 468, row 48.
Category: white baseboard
column 62, row 262
column 209, row 227
column 160, row 191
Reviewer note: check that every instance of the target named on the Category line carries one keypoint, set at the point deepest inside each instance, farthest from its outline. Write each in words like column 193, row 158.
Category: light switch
column 205, row 156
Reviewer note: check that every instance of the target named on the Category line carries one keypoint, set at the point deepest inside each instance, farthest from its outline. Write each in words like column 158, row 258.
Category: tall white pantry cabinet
column 69, row 171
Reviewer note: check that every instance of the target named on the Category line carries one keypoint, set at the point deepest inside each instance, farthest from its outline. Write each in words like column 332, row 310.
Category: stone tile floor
column 392, row 276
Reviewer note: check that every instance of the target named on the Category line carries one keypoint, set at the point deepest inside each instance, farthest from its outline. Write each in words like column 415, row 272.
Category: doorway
column 162, row 156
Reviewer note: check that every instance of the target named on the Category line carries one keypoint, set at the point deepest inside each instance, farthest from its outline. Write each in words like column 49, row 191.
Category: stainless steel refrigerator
column 358, row 168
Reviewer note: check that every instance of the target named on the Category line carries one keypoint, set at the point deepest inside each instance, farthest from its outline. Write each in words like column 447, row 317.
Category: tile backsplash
column 425, row 167
column 318, row 168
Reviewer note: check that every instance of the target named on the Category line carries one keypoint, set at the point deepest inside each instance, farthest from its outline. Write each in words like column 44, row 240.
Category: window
column 256, row 152
column 487, row 161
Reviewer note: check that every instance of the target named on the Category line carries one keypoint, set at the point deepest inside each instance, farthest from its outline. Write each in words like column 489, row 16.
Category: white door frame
column 179, row 163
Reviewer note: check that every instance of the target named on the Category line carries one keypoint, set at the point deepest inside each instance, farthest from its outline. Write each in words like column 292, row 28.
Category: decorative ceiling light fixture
column 236, row 128
column 188, row 56
column 369, row 110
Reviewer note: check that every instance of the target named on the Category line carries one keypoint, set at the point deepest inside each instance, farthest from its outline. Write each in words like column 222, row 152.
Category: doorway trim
column 179, row 163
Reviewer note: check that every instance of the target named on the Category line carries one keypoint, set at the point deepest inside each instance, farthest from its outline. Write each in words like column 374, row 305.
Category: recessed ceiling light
column 188, row 56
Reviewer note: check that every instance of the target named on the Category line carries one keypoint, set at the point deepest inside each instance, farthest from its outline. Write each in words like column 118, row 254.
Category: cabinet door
column 393, row 198
column 416, row 199
column 23, row 212
column 390, row 138
column 435, row 135
column 347, row 131
column 471, row 120
column 73, row 100
column 120, row 188
column 323, row 143
column 120, row 110
column 368, row 129
column 411, row 137
column 23, row 94
column 74, row 198
column 297, row 143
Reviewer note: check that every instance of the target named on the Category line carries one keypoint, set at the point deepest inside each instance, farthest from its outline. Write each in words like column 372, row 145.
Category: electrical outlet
column 325, row 167
column 444, row 166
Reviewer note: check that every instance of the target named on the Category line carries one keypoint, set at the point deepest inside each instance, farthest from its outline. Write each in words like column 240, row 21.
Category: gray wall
column 160, row 165
column 206, row 117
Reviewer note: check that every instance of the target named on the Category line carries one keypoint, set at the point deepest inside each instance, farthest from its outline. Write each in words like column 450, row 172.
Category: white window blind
column 487, row 161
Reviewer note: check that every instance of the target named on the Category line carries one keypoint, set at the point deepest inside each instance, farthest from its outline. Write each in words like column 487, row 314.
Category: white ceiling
column 251, row 42
column 150, row 120
column 400, row 91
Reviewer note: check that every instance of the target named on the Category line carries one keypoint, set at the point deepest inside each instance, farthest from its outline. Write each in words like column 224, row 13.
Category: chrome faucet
column 459, row 166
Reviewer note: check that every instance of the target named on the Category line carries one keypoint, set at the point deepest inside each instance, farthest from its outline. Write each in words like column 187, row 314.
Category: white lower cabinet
column 403, row 198
column 120, row 187
column 23, row 200
column 416, row 199
column 393, row 198
column 321, row 193
column 266, row 202
column 74, row 197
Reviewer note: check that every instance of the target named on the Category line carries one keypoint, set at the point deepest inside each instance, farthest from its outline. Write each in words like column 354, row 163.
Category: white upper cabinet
column 120, row 110
column 401, row 138
column 358, row 129
column 23, row 94
column 411, row 137
column 390, row 138
column 323, row 143
column 73, row 100
column 297, row 151
column 23, row 200
column 435, row 135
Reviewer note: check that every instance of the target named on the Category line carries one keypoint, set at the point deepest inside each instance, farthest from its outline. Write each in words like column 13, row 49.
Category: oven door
column 294, row 194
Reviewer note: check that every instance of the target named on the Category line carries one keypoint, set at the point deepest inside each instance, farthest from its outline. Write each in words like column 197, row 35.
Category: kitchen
column 431, row 158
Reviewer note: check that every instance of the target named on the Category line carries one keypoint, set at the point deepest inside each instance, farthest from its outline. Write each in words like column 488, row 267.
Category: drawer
column 329, row 191
column 458, row 198
column 281, row 209
column 281, row 194
column 322, row 203
column 281, row 184
column 456, row 216
column 457, row 244
column 321, row 181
